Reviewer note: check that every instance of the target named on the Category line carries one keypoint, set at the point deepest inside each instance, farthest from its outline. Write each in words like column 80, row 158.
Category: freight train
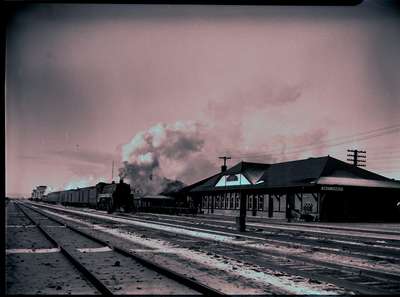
column 163, row 205
column 102, row 196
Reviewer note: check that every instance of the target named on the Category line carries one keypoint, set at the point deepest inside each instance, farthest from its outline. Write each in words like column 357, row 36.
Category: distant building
column 38, row 193
column 324, row 189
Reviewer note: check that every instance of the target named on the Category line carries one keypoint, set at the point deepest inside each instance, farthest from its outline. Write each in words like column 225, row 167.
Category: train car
column 102, row 196
column 162, row 204
column 75, row 197
column 63, row 197
column 91, row 194
column 53, row 197
column 155, row 204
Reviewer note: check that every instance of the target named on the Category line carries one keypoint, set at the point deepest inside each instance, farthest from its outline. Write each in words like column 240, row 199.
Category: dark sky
column 88, row 84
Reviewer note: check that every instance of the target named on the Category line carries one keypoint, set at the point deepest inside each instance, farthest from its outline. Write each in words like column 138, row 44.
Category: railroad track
column 363, row 281
column 270, row 225
column 359, row 246
column 326, row 244
column 68, row 250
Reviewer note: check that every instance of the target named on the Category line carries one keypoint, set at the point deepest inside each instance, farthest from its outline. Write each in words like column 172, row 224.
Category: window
column 231, row 178
column 236, row 206
column 249, row 202
column 205, row 201
column 260, row 202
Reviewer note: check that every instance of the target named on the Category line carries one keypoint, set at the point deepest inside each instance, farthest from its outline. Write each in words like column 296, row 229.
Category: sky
column 166, row 90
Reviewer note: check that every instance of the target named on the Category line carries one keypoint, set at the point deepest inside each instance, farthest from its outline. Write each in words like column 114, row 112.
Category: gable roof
column 335, row 167
column 304, row 172
column 190, row 187
column 293, row 173
column 252, row 171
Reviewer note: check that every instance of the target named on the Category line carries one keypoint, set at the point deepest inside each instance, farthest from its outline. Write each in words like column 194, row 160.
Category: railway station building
column 320, row 189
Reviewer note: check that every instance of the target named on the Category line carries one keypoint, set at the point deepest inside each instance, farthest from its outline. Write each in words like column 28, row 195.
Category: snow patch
column 283, row 282
column 95, row 250
column 32, row 251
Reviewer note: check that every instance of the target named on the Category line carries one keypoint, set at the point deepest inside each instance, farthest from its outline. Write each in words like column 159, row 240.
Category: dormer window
column 231, row 178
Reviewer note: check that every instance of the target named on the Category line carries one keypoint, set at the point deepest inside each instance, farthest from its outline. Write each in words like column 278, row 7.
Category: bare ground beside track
column 229, row 253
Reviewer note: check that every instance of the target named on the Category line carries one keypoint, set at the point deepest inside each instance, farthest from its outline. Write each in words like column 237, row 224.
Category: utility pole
column 112, row 171
column 358, row 158
column 223, row 167
column 241, row 220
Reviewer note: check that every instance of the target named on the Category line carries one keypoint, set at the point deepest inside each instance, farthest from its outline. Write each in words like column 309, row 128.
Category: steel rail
column 379, row 252
column 283, row 224
column 351, row 271
column 367, row 272
column 182, row 279
column 277, row 227
column 266, row 228
column 90, row 276
column 332, row 268
column 360, row 251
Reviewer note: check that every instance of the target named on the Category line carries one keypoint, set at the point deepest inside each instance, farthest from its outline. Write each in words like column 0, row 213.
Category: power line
column 385, row 163
column 384, row 149
column 390, row 155
column 392, row 129
column 361, row 138
column 396, row 127
column 385, row 158
column 391, row 170
column 393, row 158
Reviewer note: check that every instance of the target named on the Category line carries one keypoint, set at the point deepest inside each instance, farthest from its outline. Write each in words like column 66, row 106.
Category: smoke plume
column 158, row 152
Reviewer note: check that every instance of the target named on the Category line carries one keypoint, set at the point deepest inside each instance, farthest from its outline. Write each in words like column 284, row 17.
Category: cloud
column 200, row 168
column 156, row 153
column 173, row 141
column 84, row 155
column 254, row 96
column 82, row 182
column 307, row 144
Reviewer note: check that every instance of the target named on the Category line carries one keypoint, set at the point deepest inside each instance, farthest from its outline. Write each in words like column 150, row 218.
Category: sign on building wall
column 332, row 188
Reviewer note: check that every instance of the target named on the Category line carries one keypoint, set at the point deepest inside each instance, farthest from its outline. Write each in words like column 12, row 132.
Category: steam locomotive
column 103, row 196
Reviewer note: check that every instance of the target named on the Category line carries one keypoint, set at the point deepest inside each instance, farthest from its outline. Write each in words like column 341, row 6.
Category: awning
column 357, row 182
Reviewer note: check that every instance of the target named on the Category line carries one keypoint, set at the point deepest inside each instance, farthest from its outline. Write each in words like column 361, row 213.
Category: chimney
column 223, row 167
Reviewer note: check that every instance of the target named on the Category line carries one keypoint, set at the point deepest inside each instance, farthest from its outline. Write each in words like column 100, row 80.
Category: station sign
column 332, row 188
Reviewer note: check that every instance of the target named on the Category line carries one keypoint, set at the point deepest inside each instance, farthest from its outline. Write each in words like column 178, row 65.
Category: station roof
column 154, row 197
column 307, row 172
column 348, row 181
